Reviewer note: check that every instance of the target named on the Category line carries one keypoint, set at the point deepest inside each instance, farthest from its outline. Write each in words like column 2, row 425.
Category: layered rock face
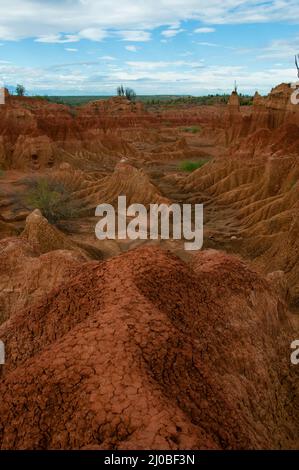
column 257, row 203
column 36, row 134
column 272, row 128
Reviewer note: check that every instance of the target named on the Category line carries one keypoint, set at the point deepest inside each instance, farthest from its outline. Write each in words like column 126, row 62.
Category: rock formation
column 272, row 127
column 260, row 201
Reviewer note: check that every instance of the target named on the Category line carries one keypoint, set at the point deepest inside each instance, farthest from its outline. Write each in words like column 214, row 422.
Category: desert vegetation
column 20, row 90
column 129, row 93
column 152, row 101
column 192, row 129
column 53, row 198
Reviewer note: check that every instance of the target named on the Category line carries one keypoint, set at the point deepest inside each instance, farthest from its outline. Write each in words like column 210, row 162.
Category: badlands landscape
column 139, row 344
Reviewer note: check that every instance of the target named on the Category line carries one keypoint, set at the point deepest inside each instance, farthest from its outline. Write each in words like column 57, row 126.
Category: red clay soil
column 144, row 351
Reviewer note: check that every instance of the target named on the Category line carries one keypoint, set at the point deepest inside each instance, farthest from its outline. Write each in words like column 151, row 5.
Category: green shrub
column 52, row 198
column 192, row 129
column 191, row 166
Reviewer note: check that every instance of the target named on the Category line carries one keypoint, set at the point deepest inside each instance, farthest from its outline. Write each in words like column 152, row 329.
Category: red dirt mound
column 144, row 351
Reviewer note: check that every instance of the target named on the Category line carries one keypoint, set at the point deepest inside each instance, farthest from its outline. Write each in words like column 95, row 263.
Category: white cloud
column 170, row 33
column 93, row 34
column 45, row 18
column 208, row 44
column 132, row 48
column 204, row 30
column 175, row 25
column 8, row 33
column 41, row 79
column 132, row 21
column 135, row 36
column 107, row 57
column 191, row 80
column 145, row 77
column 280, row 49
column 186, row 54
column 156, row 65
column 71, row 49
column 58, row 38
column 147, row 65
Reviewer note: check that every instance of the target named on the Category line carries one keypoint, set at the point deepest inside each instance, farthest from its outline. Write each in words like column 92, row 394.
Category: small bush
column 52, row 198
column 191, row 166
column 192, row 129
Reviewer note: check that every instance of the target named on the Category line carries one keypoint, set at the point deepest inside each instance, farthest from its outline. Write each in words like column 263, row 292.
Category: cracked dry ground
column 145, row 351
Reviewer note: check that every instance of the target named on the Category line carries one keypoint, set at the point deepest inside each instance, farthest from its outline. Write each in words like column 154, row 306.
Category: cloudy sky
column 154, row 46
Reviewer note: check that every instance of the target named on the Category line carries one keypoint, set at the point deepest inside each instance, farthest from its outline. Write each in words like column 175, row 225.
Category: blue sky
column 193, row 47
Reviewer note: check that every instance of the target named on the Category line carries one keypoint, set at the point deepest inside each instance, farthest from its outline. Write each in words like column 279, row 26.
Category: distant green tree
column 127, row 92
column 120, row 90
column 20, row 90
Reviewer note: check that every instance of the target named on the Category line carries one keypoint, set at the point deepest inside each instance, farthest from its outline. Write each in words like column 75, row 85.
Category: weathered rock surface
column 112, row 358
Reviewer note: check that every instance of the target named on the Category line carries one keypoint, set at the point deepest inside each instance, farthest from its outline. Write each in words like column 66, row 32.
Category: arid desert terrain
column 140, row 344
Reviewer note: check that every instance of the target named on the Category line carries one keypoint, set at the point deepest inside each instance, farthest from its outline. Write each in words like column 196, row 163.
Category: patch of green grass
column 191, row 166
column 192, row 129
